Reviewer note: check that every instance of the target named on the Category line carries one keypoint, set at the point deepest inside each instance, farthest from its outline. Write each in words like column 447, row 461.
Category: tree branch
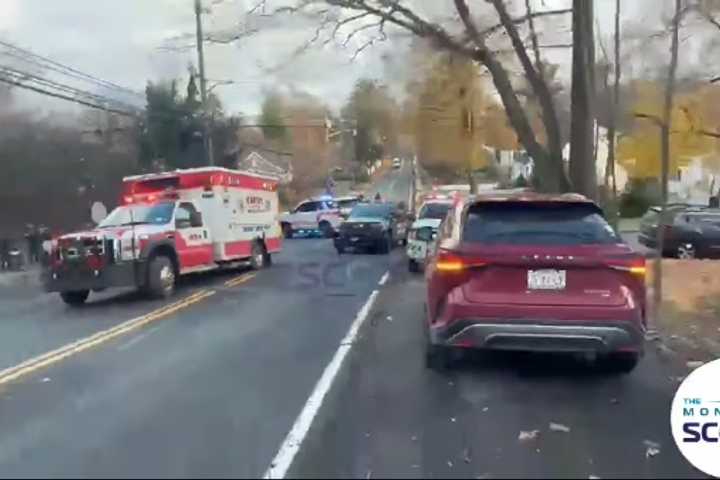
column 538, row 84
column 524, row 19
column 534, row 40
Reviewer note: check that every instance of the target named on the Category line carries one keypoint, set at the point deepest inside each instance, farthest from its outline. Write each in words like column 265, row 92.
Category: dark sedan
column 373, row 226
column 689, row 231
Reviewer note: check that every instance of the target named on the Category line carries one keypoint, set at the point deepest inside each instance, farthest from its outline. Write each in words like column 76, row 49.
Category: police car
column 431, row 214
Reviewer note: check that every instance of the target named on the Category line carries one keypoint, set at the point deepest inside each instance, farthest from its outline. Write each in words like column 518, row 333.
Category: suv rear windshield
column 537, row 224
column 371, row 210
column 437, row 211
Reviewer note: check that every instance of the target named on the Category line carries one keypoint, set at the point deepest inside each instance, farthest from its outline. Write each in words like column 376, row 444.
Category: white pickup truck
column 314, row 214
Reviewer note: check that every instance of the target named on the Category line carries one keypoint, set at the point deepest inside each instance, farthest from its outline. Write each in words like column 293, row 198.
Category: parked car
column 373, row 226
column 431, row 214
column 537, row 273
column 314, row 214
column 690, row 231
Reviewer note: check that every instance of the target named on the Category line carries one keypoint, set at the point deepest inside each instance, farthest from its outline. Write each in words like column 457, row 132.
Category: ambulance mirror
column 98, row 212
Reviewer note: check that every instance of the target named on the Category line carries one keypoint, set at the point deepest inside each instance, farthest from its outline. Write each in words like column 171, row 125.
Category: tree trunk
column 546, row 168
column 615, row 103
column 666, row 128
column 553, row 154
column 582, row 168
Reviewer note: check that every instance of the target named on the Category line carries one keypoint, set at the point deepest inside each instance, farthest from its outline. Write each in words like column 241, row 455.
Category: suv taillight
column 450, row 262
column 635, row 266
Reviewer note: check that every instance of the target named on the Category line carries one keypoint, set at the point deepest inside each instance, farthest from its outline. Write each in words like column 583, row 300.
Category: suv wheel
column 75, row 298
column 413, row 266
column 385, row 244
column 686, row 251
column 287, row 230
column 326, row 229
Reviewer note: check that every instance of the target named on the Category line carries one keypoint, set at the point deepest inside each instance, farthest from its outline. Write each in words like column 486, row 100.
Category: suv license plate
column 546, row 279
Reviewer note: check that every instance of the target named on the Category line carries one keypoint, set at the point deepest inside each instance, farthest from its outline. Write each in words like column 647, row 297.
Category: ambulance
column 167, row 225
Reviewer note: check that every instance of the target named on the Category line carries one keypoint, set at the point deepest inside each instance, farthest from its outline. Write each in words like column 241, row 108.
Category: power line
column 31, row 57
column 64, row 97
column 23, row 77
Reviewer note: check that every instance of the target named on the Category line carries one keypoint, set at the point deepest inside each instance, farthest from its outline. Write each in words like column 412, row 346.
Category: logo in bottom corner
column 695, row 418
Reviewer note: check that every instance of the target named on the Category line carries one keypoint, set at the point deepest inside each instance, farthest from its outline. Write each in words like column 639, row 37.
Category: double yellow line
column 45, row 360
column 234, row 282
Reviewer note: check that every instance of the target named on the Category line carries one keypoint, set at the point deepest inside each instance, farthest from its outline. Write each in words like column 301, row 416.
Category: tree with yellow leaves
column 452, row 116
column 639, row 150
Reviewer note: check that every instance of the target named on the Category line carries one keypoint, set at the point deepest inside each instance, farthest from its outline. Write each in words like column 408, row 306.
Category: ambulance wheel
column 287, row 230
column 75, row 298
column 257, row 256
column 326, row 229
column 268, row 258
column 161, row 277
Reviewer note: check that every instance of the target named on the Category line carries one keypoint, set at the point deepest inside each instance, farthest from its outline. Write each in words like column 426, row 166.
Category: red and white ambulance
column 167, row 225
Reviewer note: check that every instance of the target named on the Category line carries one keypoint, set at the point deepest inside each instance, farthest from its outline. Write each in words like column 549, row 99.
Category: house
column 621, row 174
column 693, row 182
column 269, row 162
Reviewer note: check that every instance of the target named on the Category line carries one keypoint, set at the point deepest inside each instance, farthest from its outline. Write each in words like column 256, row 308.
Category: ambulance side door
column 192, row 238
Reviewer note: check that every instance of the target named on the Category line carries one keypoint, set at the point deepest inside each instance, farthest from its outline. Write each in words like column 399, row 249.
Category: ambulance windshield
column 157, row 214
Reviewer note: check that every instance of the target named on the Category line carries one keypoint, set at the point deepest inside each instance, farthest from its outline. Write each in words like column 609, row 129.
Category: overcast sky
column 119, row 40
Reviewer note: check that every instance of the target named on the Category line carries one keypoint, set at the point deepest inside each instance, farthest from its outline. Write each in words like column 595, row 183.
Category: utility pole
column 207, row 137
column 582, row 166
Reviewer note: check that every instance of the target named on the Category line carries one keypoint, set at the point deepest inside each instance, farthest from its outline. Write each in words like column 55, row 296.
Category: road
column 213, row 388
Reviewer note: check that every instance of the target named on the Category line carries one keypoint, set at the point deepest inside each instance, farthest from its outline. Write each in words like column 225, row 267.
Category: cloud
column 119, row 41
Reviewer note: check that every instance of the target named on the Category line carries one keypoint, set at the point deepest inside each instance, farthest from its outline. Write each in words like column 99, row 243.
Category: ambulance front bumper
column 65, row 278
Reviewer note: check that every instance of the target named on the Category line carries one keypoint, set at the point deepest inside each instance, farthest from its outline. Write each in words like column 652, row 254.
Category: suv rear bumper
column 540, row 336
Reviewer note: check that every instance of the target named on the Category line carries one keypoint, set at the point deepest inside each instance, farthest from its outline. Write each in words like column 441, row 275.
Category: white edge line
column 384, row 278
column 293, row 441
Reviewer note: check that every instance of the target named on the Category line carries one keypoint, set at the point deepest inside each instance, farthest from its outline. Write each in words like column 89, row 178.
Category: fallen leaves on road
column 693, row 364
column 652, row 448
column 389, row 318
column 485, row 409
column 559, row 427
column 45, row 380
column 466, row 456
column 453, row 419
column 449, row 464
column 529, row 435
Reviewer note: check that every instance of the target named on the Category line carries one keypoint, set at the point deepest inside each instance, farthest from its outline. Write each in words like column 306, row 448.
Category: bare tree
column 472, row 42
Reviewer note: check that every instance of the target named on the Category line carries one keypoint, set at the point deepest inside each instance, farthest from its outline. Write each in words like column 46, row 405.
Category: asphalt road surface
column 214, row 387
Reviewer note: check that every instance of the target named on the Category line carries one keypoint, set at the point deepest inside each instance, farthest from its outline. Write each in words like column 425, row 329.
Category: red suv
column 534, row 272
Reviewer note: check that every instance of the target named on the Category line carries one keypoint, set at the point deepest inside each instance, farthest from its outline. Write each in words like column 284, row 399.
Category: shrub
column 639, row 195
